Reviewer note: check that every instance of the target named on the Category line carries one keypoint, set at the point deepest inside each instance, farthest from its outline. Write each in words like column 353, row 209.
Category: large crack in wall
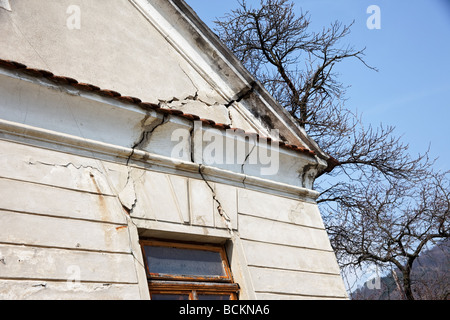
column 127, row 196
column 220, row 208
column 67, row 165
column 219, row 112
column 245, row 161
column 193, row 104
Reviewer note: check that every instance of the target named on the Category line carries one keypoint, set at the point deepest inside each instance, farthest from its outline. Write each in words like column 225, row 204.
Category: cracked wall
column 59, row 214
column 162, row 76
column 71, row 216
column 84, row 177
column 119, row 124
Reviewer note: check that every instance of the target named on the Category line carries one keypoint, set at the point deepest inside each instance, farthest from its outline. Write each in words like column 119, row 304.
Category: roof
column 86, row 87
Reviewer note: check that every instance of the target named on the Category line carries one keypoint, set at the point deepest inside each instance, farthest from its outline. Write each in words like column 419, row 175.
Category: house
column 140, row 160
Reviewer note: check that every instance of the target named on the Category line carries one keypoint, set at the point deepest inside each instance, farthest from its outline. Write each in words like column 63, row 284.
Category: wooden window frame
column 193, row 289
column 190, row 285
column 161, row 276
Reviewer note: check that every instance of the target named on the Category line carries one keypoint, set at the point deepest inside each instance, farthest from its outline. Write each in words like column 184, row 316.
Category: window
column 181, row 271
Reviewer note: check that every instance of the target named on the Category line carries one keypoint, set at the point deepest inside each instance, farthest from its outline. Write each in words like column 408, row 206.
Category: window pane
column 213, row 297
column 184, row 262
column 170, row 297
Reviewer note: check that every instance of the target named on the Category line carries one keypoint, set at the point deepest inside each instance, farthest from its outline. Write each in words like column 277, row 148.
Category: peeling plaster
column 127, row 196
column 193, row 104
column 176, row 102
column 308, row 175
column 147, row 131
column 219, row 112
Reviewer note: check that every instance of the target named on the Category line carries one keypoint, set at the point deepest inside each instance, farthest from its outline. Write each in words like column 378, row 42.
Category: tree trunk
column 407, row 284
column 399, row 287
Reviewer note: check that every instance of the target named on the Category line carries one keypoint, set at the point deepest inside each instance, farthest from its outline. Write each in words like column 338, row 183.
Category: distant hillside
column 431, row 278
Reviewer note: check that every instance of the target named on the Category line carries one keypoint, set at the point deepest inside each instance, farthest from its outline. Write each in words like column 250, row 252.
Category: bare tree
column 296, row 66
column 431, row 274
column 390, row 224
column 386, row 205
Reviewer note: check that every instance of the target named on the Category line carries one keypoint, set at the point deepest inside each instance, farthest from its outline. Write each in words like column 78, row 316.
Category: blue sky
column 411, row 91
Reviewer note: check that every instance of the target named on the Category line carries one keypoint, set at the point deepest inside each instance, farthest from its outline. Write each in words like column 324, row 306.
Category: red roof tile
column 63, row 80
column 149, row 106
column 191, row 117
column 12, row 65
column 127, row 99
column 222, row 126
column 109, row 93
column 208, row 122
column 38, row 72
column 86, row 87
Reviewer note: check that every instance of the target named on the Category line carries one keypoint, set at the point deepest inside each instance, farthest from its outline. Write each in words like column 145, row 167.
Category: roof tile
column 191, row 117
column 128, row 99
column 86, row 86
column 149, row 106
column 12, row 65
column 38, row 72
column 222, row 126
column 109, row 93
column 63, row 80
column 208, row 122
